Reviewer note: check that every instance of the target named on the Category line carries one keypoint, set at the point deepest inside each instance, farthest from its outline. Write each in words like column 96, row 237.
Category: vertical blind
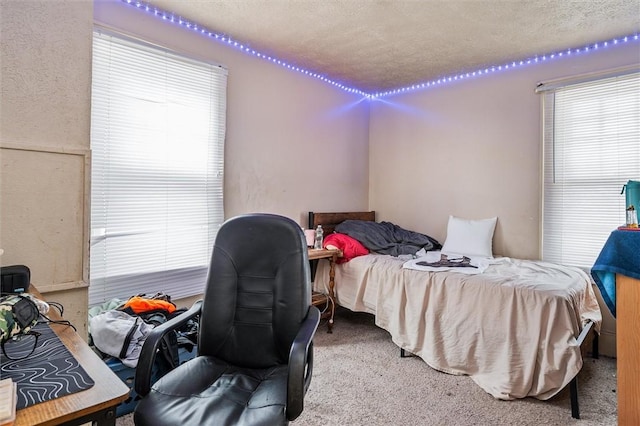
column 157, row 143
column 591, row 149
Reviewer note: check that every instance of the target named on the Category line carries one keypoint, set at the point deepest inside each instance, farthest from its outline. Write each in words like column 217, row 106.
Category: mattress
column 511, row 328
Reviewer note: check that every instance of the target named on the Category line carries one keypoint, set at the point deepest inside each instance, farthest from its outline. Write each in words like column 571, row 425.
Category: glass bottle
column 318, row 240
column 632, row 217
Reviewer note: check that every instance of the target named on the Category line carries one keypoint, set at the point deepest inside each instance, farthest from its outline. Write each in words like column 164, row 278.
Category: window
column 591, row 149
column 157, row 142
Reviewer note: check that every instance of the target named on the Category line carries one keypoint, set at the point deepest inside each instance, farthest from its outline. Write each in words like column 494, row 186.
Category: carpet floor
column 359, row 378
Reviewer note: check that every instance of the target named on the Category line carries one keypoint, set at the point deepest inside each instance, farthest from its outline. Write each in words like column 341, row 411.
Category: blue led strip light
column 511, row 65
column 170, row 17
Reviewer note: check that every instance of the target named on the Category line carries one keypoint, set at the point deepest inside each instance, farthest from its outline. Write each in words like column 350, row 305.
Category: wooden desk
column 96, row 404
column 326, row 300
column 628, row 349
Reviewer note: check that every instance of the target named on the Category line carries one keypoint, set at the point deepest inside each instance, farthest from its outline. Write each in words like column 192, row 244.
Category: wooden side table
column 327, row 300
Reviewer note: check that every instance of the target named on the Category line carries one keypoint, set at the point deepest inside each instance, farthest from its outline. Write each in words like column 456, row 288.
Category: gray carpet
column 360, row 379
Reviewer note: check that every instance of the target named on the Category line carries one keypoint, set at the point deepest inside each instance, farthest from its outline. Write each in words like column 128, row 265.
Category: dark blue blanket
column 620, row 255
column 386, row 237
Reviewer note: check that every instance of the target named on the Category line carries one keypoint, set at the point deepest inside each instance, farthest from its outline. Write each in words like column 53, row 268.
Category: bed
column 518, row 329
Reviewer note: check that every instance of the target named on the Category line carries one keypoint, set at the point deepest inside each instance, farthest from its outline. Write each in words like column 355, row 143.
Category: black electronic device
column 15, row 279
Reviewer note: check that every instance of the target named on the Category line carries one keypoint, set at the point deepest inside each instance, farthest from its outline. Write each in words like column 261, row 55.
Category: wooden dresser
column 616, row 271
column 628, row 349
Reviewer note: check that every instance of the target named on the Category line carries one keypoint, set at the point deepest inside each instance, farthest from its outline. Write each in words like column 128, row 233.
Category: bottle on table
column 632, row 217
column 319, row 236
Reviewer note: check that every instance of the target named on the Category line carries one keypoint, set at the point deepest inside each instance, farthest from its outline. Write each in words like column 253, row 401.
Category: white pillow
column 469, row 237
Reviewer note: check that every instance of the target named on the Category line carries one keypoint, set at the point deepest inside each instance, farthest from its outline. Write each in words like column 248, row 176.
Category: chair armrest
column 301, row 364
column 142, row 382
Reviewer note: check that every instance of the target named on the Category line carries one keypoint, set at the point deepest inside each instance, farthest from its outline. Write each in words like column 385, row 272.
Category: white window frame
column 157, row 139
column 591, row 148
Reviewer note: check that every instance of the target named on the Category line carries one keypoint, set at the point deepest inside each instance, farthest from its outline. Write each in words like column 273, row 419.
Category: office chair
column 256, row 325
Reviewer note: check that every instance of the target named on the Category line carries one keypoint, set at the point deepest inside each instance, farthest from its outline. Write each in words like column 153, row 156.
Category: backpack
column 168, row 356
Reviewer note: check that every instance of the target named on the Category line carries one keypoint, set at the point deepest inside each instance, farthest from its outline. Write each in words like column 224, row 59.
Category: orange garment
column 141, row 305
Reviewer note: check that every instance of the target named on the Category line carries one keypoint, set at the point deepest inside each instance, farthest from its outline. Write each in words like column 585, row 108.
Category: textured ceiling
column 376, row 45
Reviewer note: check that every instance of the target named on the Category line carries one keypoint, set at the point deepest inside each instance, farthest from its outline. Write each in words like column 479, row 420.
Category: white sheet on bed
column 512, row 328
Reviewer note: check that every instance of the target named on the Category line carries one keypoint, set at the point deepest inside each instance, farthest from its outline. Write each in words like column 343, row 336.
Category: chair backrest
column 258, row 291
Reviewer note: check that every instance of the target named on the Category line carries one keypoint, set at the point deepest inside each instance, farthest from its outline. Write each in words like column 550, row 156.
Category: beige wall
column 44, row 140
column 293, row 143
column 473, row 149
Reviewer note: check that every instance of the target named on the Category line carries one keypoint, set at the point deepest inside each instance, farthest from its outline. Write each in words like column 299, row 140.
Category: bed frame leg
column 405, row 354
column 573, row 385
column 573, row 392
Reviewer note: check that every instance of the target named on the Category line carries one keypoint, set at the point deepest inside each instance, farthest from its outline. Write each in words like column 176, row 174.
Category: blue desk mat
column 49, row 372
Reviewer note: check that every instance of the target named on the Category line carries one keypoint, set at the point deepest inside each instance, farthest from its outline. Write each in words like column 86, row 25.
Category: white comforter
column 512, row 328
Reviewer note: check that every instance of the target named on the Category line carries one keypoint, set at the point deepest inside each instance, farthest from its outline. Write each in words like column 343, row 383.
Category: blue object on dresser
column 632, row 197
column 620, row 255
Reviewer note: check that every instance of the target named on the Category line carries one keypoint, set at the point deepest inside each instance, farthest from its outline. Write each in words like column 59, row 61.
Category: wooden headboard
column 330, row 220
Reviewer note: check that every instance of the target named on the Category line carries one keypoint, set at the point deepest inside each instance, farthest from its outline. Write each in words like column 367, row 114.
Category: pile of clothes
column 119, row 329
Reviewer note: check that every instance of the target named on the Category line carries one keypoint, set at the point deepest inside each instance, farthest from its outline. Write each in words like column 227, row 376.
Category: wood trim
column 85, row 154
column 72, row 285
column 43, row 148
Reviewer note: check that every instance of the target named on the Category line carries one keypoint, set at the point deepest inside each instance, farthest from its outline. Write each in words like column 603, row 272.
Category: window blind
column 591, row 149
column 157, row 141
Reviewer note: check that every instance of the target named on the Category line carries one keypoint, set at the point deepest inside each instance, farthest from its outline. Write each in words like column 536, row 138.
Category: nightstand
column 326, row 302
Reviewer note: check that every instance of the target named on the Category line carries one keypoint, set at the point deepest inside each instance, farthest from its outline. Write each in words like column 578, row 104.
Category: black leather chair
column 256, row 325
